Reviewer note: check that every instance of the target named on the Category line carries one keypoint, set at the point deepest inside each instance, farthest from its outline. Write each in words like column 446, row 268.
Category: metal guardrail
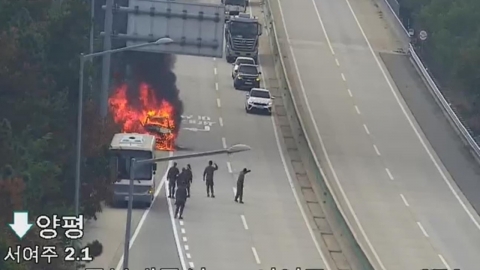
column 343, row 224
column 444, row 104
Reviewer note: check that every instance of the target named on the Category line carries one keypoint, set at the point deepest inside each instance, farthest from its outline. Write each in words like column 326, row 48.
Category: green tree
column 39, row 63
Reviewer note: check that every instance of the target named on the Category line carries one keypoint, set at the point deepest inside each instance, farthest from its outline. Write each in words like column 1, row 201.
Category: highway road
column 402, row 203
column 269, row 230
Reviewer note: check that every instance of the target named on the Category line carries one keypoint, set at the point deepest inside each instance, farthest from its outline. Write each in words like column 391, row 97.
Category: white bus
column 123, row 148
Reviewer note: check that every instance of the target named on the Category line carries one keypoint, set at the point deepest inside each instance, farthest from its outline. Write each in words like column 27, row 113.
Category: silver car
column 241, row 60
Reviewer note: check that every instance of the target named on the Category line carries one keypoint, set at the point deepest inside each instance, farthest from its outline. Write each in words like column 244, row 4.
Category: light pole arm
column 92, row 55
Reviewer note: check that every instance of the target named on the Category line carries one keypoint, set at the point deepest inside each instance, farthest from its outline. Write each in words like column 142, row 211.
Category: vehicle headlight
column 258, row 79
column 239, row 77
column 150, row 191
column 249, row 102
column 270, row 103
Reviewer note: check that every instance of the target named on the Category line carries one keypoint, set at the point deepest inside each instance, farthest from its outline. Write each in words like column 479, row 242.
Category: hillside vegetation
column 40, row 41
column 451, row 51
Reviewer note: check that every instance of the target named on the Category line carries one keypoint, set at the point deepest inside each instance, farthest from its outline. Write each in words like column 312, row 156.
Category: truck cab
column 242, row 37
column 234, row 7
column 123, row 148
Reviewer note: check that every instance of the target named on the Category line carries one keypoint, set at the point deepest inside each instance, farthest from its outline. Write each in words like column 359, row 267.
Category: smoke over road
column 146, row 98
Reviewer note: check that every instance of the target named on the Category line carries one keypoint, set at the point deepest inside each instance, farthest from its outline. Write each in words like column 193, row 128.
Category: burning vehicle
column 159, row 126
column 146, row 99
column 150, row 116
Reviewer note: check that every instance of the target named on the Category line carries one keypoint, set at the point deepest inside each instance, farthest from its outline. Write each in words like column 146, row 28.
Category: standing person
column 189, row 176
column 181, row 199
column 240, row 181
column 208, row 177
column 172, row 179
column 182, row 178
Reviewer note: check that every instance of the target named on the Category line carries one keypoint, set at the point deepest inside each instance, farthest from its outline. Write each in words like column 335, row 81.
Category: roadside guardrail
column 330, row 199
column 444, row 104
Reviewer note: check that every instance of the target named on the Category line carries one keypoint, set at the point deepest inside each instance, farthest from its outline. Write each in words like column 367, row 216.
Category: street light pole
column 79, row 135
column 230, row 150
column 83, row 58
column 126, row 249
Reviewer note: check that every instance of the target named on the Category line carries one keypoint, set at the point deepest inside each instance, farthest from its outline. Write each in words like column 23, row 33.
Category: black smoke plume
column 156, row 70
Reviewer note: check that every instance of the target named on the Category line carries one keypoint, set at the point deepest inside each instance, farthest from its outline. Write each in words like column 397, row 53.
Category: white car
column 241, row 60
column 259, row 99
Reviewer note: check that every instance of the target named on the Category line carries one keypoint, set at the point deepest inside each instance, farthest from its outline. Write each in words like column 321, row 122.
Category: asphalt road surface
column 217, row 233
column 403, row 203
column 151, row 226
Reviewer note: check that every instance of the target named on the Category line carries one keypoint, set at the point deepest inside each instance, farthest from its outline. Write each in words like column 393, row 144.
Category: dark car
column 247, row 77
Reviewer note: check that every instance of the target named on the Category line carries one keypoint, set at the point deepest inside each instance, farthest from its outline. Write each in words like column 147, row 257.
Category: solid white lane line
column 336, row 61
column 189, row 256
column 366, row 129
column 191, row 265
column 255, row 254
column 218, row 103
column 389, row 173
column 404, row 200
column 186, row 247
column 229, row 167
column 183, row 231
column 215, row 71
column 220, row 120
column 350, row 93
column 343, row 77
column 184, row 239
column 376, row 150
column 392, row 89
column 422, row 229
column 216, row 86
column 444, row 261
column 144, row 217
column 224, row 142
column 244, row 221
column 289, row 177
column 324, row 150
column 357, row 109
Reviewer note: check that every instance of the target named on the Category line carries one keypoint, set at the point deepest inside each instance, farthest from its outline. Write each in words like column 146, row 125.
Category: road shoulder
column 301, row 165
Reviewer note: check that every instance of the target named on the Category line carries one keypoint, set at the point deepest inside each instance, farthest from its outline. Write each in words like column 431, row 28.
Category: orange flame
column 152, row 117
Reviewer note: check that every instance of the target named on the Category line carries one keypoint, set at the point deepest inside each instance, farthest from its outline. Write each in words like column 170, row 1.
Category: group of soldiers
column 182, row 180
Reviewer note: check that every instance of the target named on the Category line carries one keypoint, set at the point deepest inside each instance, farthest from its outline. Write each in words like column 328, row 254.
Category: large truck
column 242, row 35
column 123, row 148
column 234, row 7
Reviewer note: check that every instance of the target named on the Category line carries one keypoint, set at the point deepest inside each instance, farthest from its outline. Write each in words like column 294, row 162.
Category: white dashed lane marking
column 229, row 167
column 404, row 200
column 186, row 247
column 219, row 103
column 244, row 221
column 422, row 229
column 224, row 142
column 350, row 93
column 357, row 109
column 376, row 150
column 255, row 254
column 343, row 77
column 215, row 71
column 216, row 86
column 389, row 173
column 366, row 129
